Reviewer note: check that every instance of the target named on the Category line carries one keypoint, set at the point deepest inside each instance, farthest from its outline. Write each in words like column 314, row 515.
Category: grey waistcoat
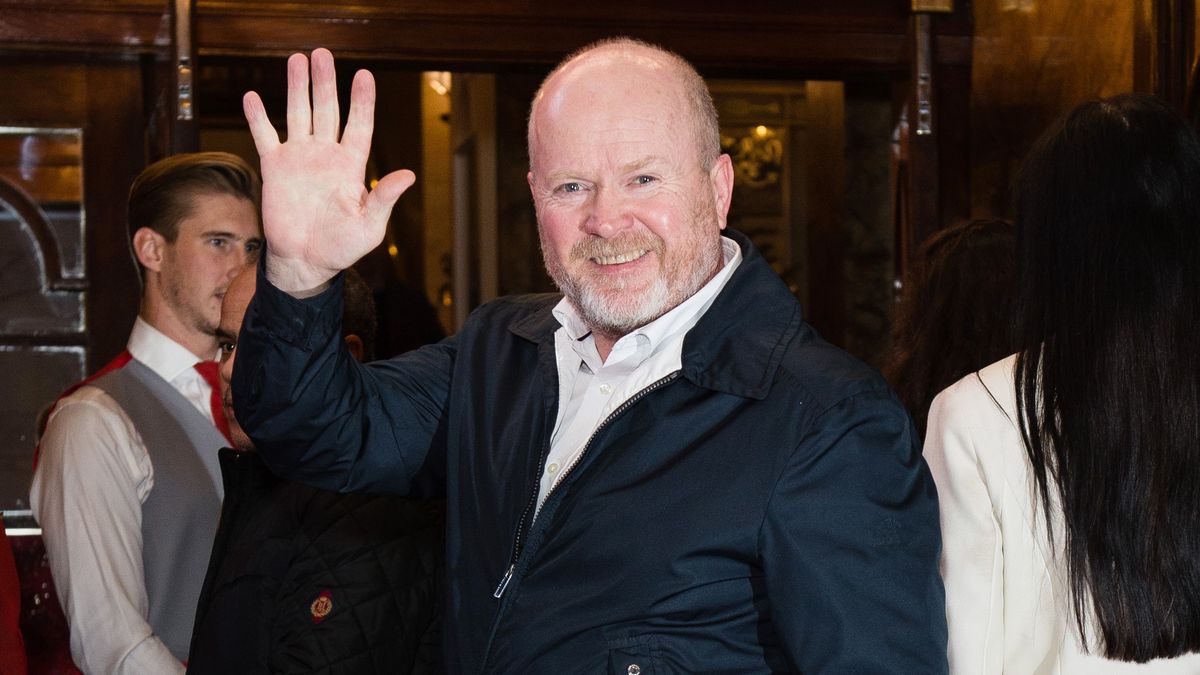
column 179, row 516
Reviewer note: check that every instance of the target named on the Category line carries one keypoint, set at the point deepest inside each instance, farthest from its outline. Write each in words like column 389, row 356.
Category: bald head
column 612, row 73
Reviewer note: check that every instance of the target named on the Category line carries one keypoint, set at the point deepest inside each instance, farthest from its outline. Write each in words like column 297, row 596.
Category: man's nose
column 608, row 214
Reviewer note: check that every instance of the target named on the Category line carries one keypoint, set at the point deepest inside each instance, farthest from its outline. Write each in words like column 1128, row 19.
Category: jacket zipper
column 517, row 543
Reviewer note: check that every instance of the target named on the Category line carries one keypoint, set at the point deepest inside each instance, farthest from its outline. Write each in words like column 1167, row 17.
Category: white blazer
column 1007, row 603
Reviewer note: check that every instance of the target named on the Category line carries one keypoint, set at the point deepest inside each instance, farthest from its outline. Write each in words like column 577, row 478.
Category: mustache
column 599, row 247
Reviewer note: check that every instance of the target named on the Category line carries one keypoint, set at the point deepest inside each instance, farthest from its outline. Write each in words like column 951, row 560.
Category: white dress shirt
column 589, row 390
column 1007, row 600
column 92, row 477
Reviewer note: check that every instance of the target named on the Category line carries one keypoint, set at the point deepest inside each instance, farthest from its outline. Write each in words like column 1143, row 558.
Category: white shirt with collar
column 92, row 477
column 589, row 390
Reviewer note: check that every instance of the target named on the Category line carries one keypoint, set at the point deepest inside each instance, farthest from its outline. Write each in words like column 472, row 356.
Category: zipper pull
column 504, row 581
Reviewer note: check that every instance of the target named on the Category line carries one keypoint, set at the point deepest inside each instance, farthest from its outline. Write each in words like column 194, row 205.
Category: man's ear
column 355, row 345
column 722, row 183
column 149, row 247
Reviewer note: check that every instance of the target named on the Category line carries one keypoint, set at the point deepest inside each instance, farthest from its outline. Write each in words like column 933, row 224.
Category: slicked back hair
column 161, row 195
column 1108, row 374
column 696, row 97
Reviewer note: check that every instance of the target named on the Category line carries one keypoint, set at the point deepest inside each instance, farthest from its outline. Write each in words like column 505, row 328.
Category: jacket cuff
column 304, row 323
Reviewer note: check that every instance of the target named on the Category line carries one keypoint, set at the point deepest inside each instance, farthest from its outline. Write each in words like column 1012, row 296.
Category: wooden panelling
column 763, row 36
column 826, row 135
column 76, row 308
column 84, row 25
column 804, row 39
column 64, row 85
column 114, row 153
column 1169, row 66
column 1033, row 62
column 48, row 167
column 104, row 100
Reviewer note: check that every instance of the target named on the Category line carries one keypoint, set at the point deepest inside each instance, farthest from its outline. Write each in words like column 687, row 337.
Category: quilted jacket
column 303, row 580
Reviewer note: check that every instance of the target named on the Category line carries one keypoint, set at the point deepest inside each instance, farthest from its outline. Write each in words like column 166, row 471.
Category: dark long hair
column 956, row 313
column 1108, row 377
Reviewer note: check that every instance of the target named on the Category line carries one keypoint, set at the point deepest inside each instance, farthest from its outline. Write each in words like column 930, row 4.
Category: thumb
column 389, row 188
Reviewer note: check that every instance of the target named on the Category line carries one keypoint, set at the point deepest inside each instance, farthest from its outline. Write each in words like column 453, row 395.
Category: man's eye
column 253, row 246
column 226, row 347
column 644, row 180
column 217, row 242
column 570, row 187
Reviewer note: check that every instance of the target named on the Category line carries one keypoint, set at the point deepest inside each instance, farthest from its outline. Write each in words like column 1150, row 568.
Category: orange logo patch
column 321, row 607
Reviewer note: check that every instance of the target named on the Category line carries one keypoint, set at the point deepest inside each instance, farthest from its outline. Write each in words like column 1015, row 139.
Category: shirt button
column 634, row 669
column 552, row 469
column 605, row 389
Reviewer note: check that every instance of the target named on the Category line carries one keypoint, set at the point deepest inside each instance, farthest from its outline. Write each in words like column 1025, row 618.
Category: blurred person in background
column 955, row 316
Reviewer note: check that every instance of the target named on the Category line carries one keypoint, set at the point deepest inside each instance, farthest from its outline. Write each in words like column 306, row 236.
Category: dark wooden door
column 70, row 143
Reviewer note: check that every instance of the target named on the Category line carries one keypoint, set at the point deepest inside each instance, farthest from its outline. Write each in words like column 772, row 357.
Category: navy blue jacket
column 764, row 509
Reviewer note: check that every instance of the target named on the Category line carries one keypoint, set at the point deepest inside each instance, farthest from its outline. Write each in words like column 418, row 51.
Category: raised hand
column 318, row 216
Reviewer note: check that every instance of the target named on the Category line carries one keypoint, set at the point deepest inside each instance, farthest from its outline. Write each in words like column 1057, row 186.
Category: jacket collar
column 737, row 345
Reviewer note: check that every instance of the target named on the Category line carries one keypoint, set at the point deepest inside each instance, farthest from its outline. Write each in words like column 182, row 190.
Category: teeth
column 618, row 259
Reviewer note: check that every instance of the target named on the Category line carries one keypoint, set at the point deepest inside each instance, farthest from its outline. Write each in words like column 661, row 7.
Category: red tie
column 208, row 370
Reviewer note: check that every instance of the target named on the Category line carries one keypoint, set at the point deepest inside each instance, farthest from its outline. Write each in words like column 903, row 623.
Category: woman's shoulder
column 987, row 392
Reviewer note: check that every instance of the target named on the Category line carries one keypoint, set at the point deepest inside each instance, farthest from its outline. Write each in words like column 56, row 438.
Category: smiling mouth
column 619, row 259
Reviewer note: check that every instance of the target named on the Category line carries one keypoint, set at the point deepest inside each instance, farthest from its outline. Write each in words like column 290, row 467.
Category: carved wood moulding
column 763, row 35
column 760, row 35
column 120, row 26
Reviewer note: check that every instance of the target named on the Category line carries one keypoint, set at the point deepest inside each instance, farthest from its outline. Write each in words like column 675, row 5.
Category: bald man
column 662, row 470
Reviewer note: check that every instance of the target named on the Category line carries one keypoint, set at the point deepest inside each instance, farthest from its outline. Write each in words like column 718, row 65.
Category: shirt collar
column 166, row 357
column 648, row 339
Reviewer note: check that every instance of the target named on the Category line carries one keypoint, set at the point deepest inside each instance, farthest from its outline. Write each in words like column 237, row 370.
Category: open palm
column 318, row 216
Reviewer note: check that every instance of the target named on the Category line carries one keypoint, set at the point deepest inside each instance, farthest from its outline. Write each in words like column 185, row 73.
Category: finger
column 265, row 136
column 389, row 188
column 299, row 112
column 326, row 117
column 361, row 122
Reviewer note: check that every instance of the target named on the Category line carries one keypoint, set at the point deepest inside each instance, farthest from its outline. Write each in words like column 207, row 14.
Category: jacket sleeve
column 973, row 554
column 319, row 417
column 850, row 546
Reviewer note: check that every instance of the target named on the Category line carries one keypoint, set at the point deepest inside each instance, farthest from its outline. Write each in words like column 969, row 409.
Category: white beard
column 612, row 310
column 617, row 313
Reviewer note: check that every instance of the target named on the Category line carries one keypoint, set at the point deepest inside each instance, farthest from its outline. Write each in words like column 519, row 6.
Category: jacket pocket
column 633, row 656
